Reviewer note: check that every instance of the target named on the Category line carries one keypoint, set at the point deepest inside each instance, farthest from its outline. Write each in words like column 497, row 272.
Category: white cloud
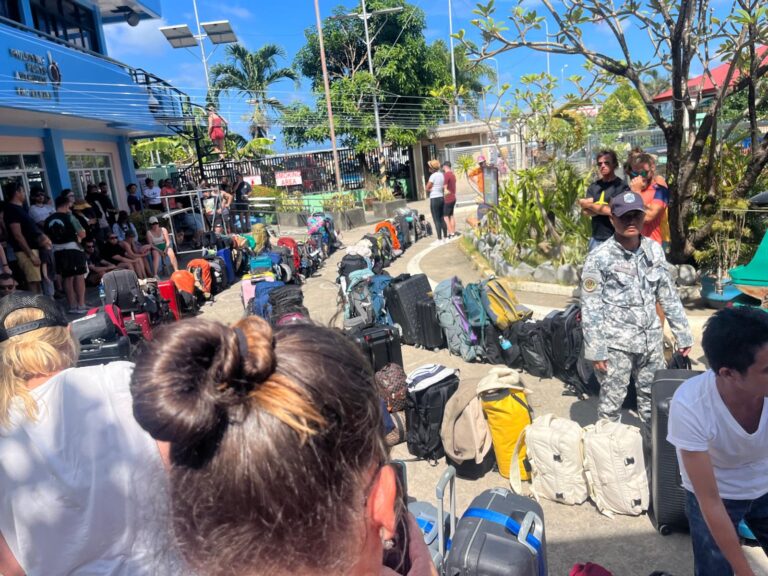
column 236, row 11
column 144, row 39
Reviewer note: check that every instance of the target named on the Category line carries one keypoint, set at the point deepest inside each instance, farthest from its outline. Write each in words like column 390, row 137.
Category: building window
column 10, row 9
column 85, row 169
column 25, row 168
column 67, row 21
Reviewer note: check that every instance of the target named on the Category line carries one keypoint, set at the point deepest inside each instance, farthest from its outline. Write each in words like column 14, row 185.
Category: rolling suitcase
column 501, row 533
column 430, row 334
column 401, row 296
column 138, row 326
column 170, row 293
column 667, row 509
column 381, row 344
column 437, row 533
column 104, row 352
column 226, row 255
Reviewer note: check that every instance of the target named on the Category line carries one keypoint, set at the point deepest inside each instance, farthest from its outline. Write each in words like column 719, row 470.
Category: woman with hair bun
column 278, row 460
column 83, row 489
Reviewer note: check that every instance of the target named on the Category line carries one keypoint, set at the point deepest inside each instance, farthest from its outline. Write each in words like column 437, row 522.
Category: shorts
column 448, row 208
column 71, row 263
column 31, row 272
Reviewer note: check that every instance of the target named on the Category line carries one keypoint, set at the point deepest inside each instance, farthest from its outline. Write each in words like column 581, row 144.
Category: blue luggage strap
column 513, row 526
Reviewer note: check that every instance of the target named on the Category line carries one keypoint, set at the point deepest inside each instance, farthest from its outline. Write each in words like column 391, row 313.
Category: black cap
column 52, row 314
column 627, row 202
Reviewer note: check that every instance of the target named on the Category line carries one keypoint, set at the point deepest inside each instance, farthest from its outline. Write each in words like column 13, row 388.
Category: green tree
column 623, row 109
column 251, row 75
column 163, row 150
column 678, row 34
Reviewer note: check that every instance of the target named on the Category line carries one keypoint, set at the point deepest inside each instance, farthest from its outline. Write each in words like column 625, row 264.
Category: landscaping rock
column 525, row 252
column 567, row 274
column 481, row 246
column 521, row 272
column 491, row 239
column 545, row 273
column 686, row 275
column 504, row 270
column 688, row 293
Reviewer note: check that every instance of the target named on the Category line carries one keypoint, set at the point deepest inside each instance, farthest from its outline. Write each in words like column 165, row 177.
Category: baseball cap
column 627, row 202
column 52, row 314
column 480, row 158
column 154, row 220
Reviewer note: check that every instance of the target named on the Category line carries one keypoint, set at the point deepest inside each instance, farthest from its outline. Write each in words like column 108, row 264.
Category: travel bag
column 286, row 300
column 380, row 344
column 96, row 326
column 138, row 326
column 349, row 263
column 401, row 296
column 392, row 387
column 460, row 338
column 291, row 244
column 226, row 256
column 437, row 525
column 429, row 388
column 170, row 294
column 500, row 534
column 121, row 288
column 500, row 303
column 430, row 334
column 104, row 352
column 260, row 304
column 533, row 339
column 358, row 301
column 201, row 270
column 260, row 263
column 667, row 508
column 615, row 468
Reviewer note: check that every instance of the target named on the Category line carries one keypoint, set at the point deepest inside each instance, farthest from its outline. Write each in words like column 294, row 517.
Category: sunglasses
column 604, row 163
column 113, row 237
column 632, row 216
column 643, row 173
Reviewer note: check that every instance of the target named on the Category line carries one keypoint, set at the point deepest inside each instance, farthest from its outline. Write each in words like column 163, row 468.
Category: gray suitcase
column 437, row 533
column 500, row 534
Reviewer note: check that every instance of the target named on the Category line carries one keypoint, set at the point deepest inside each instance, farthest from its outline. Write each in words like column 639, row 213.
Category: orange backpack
column 184, row 281
column 201, row 270
column 387, row 225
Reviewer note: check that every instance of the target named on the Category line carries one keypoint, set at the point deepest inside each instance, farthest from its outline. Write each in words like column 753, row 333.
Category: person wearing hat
column 622, row 280
column 162, row 247
column 82, row 486
column 151, row 194
column 39, row 206
column 435, row 190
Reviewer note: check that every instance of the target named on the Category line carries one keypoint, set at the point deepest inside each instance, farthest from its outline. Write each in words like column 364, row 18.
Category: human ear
column 381, row 502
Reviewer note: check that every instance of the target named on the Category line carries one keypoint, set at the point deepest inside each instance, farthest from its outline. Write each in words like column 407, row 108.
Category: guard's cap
column 627, row 202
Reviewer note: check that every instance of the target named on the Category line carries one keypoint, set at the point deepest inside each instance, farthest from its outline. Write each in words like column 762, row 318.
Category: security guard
column 622, row 280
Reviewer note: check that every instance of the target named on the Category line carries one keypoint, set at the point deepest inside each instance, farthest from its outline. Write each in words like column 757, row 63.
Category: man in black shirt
column 240, row 206
column 24, row 236
column 599, row 195
column 112, row 252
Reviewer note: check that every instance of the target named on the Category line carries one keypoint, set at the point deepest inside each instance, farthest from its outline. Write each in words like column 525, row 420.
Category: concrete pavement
column 627, row 546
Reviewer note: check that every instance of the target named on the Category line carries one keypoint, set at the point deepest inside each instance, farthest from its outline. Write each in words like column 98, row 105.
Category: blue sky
column 260, row 21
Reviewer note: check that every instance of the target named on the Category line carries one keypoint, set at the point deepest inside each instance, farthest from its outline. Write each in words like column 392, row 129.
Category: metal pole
column 453, row 63
column 546, row 29
column 199, row 39
column 365, row 16
column 336, row 167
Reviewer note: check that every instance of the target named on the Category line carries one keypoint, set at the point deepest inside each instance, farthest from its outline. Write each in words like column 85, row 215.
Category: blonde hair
column 37, row 353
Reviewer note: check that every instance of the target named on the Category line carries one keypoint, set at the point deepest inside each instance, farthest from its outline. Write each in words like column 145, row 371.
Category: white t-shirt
column 152, row 195
column 699, row 421
column 83, row 489
column 40, row 213
column 437, row 180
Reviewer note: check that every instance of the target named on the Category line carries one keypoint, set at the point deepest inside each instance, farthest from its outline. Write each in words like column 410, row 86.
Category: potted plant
column 291, row 210
column 385, row 204
column 346, row 215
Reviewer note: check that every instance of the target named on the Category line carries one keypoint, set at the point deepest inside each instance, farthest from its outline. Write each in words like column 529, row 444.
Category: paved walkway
column 627, row 546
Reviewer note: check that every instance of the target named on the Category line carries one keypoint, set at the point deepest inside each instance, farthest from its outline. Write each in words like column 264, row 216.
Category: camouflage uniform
column 619, row 291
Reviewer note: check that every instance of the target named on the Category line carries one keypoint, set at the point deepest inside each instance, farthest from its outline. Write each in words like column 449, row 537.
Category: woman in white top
column 82, row 486
column 435, row 190
column 160, row 241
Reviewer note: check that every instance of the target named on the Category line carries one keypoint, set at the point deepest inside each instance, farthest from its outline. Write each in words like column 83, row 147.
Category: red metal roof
column 707, row 86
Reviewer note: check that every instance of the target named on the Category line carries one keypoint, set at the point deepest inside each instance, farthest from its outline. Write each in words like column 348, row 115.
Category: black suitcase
column 93, row 327
column 501, row 533
column 105, row 352
column 667, row 509
column 381, row 344
column 471, row 470
column 401, row 296
column 121, row 288
column 430, row 335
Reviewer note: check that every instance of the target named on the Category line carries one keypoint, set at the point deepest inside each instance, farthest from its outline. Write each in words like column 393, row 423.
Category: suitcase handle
column 448, row 477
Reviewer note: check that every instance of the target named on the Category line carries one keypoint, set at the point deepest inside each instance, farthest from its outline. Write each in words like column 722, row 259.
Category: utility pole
column 326, row 84
column 453, row 65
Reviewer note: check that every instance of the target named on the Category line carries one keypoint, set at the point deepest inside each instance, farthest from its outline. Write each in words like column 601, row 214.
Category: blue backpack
column 358, row 303
column 376, row 288
column 473, row 305
column 260, row 305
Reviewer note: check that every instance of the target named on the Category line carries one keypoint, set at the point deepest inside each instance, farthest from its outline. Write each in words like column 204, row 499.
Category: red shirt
column 450, row 187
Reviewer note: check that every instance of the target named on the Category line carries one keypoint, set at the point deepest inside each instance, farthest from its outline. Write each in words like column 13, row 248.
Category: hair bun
column 255, row 343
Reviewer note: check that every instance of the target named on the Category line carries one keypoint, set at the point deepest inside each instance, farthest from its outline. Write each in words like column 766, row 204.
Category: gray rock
column 545, row 273
column 525, row 252
column 686, row 275
column 688, row 293
column 491, row 239
column 673, row 272
column 504, row 270
column 481, row 246
column 567, row 274
column 521, row 272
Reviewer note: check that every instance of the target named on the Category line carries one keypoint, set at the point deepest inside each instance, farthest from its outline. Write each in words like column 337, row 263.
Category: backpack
column 358, row 310
column 464, row 431
column 554, row 453
column 212, row 241
column 201, row 270
column 219, row 278
column 565, row 348
column 392, row 386
column 121, row 288
column 387, row 227
column 315, row 225
column 286, row 300
column 349, row 263
column 508, row 413
column 291, row 244
column 260, row 238
column 533, row 339
column 473, row 305
column 189, row 293
column 461, row 339
column 380, row 313
column 377, row 255
column 429, row 388
column 260, row 263
column 615, row 468
column 58, row 227
column 260, row 304
column 500, row 303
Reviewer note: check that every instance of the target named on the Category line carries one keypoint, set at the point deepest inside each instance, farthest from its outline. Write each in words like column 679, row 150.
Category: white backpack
column 554, row 450
column 615, row 468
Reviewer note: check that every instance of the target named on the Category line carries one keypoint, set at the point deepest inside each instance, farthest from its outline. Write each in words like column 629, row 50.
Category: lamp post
column 453, row 62
column 546, row 30
column 562, row 74
column 218, row 32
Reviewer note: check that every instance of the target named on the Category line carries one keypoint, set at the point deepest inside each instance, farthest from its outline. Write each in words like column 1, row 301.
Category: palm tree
column 251, row 74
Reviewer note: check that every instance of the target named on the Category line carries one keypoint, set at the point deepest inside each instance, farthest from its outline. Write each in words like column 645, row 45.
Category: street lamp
column 546, row 31
column 218, row 32
column 453, row 62
column 562, row 74
column 364, row 16
column 498, row 85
